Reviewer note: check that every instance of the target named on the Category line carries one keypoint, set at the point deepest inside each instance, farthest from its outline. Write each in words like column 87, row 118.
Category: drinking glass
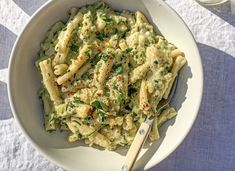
column 211, row 2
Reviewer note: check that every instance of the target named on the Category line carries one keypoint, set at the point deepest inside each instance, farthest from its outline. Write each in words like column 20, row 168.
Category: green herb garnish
column 128, row 50
column 77, row 100
column 114, row 86
column 86, row 120
column 77, row 122
column 101, row 116
column 105, row 57
column 123, row 57
column 74, row 48
column 120, row 96
column 95, row 59
column 101, row 36
column 88, row 56
column 136, row 118
column 98, row 104
column 118, row 68
column 89, row 134
column 106, row 19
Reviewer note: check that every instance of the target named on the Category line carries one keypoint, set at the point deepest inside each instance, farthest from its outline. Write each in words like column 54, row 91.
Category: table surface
column 210, row 144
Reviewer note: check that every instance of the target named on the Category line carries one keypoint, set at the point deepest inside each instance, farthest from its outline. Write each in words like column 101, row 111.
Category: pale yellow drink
column 212, row 2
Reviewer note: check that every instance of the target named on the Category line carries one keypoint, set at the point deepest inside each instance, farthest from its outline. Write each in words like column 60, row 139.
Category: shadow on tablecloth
column 29, row 6
column 225, row 11
column 7, row 39
column 210, row 144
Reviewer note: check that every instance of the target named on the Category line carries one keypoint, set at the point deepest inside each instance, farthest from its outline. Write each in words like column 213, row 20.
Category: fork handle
column 136, row 146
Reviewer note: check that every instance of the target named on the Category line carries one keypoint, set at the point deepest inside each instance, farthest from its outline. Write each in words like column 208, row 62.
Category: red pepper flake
column 65, row 86
column 69, row 80
column 146, row 106
column 97, row 32
column 99, row 50
column 119, row 77
column 74, row 75
column 90, row 110
column 99, row 94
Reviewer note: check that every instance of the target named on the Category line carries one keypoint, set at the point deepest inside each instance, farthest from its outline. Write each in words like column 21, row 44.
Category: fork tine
column 163, row 103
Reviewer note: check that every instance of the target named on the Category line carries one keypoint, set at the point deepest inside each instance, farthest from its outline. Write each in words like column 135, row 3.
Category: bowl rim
column 37, row 147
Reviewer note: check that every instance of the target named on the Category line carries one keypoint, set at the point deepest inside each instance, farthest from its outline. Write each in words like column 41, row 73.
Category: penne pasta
column 66, row 35
column 143, row 99
column 104, row 73
column 166, row 115
column 49, row 81
column 175, row 53
column 138, row 73
column 179, row 63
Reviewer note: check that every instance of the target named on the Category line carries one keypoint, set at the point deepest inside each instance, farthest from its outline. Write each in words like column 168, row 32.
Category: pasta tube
column 178, row 64
column 49, row 81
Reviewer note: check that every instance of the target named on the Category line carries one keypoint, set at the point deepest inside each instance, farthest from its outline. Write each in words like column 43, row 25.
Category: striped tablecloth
column 210, row 146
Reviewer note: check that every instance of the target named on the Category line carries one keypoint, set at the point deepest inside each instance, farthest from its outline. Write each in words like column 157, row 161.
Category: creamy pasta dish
column 103, row 73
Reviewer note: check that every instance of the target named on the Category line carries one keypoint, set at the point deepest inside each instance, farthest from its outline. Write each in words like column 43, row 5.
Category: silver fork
column 143, row 133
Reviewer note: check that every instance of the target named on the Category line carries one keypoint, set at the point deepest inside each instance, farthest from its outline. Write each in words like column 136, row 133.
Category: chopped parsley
column 120, row 97
column 114, row 86
column 77, row 100
column 77, row 122
column 95, row 59
column 90, row 134
column 156, row 62
column 86, row 120
column 105, row 57
column 88, row 55
column 118, row 68
column 101, row 116
column 123, row 57
column 157, row 84
column 74, row 48
column 128, row 50
column 136, row 118
column 98, row 104
column 106, row 19
column 101, row 36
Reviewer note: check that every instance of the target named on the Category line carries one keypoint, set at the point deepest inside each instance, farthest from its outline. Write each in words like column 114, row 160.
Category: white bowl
column 24, row 82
